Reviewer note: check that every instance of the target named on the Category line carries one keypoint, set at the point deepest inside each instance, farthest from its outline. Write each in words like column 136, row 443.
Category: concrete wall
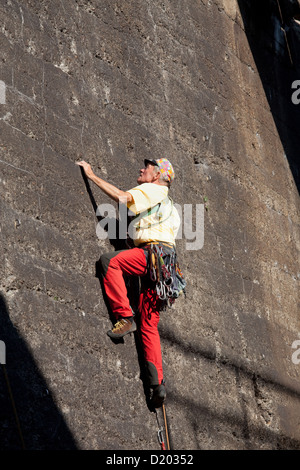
column 207, row 84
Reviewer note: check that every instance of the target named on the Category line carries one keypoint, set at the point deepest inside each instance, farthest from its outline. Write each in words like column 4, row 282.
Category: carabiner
column 160, row 439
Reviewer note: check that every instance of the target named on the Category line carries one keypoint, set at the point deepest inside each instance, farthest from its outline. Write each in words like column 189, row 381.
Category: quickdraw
column 161, row 439
column 160, row 434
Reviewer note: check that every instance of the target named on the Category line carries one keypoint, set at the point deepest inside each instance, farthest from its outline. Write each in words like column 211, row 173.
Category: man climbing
column 152, row 258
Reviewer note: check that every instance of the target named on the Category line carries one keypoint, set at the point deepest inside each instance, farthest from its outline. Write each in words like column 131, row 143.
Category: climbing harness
column 160, row 435
column 165, row 272
column 13, row 406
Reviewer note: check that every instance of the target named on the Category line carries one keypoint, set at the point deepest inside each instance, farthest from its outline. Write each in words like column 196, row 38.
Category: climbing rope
column 284, row 32
column 166, row 426
column 13, row 406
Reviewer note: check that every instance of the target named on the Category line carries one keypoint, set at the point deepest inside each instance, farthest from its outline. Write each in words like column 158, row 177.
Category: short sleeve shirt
column 161, row 225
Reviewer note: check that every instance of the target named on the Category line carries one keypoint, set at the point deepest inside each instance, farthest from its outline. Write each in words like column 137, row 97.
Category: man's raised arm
column 109, row 189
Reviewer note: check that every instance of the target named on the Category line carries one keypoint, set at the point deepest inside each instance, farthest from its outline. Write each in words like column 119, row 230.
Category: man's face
column 148, row 174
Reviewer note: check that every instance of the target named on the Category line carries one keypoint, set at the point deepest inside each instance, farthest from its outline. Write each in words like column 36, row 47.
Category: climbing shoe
column 158, row 395
column 122, row 328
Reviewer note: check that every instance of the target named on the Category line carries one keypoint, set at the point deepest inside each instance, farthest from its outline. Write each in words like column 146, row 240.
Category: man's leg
column 114, row 266
column 149, row 310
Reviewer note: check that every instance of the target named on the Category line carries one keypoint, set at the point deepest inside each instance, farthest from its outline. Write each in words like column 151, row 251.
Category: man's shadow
column 133, row 284
column 29, row 416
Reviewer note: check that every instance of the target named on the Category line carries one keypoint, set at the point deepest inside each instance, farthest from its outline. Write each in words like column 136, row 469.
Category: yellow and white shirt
column 163, row 224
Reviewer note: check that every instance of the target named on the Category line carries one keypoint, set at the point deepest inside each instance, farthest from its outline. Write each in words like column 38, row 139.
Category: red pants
column 133, row 262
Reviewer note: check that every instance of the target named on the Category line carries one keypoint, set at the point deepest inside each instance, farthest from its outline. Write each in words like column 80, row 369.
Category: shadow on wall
column 249, row 433
column 274, row 38
column 41, row 425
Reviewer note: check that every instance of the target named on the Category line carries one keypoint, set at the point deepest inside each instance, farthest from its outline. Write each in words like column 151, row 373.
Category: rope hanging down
column 284, row 32
column 13, row 406
column 166, row 426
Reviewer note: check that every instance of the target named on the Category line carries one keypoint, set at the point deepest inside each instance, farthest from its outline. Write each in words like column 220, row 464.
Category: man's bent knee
column 105, row 259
